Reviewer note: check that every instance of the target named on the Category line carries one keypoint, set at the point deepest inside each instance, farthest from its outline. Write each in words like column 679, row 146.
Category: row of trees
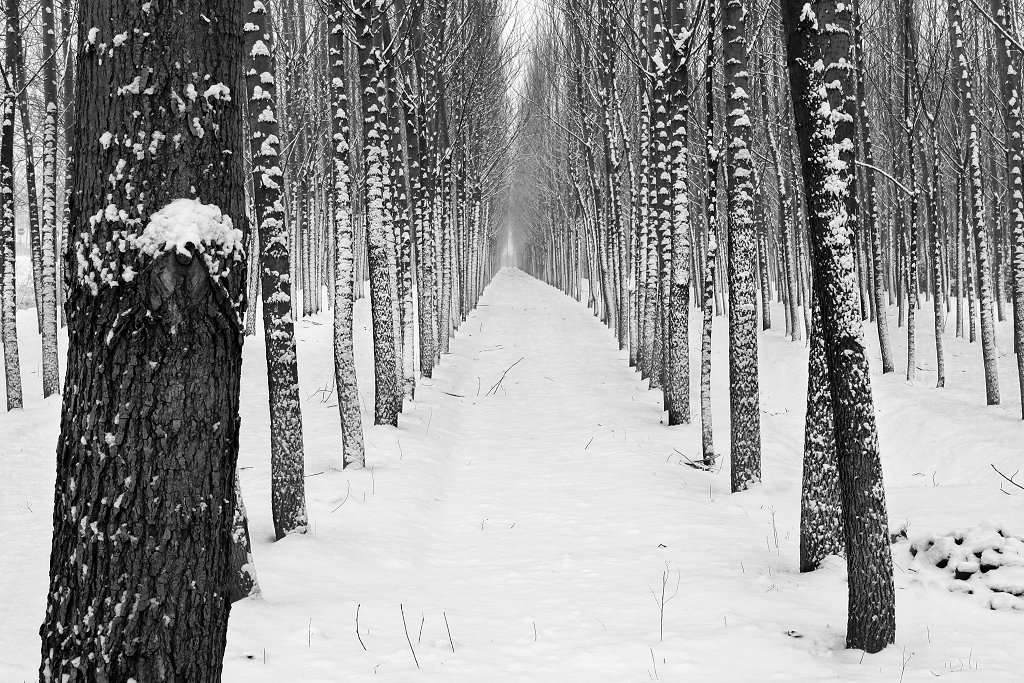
column 202, row 163
column 811, row 184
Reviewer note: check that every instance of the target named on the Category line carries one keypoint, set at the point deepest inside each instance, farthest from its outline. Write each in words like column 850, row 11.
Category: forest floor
column 531, row 511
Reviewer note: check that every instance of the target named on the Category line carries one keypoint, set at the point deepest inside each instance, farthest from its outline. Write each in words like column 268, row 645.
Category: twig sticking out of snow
column 450, row 641
column 407, row 638
column 497, row 385
column 1009, row 479
column 357, row 627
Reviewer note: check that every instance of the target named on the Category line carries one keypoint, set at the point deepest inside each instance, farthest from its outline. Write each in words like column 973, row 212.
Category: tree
column 976, row 212
column 8, row 286
column 143, row 509
column 819, row 58
column 288, row 484
column 744, row 402
column 368, row 20
column 344, row 358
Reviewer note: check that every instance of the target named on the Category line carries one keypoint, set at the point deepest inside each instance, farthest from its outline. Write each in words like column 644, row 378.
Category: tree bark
column 140, row 566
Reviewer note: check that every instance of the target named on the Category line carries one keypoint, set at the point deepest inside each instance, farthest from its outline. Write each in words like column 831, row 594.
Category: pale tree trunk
column 742, row 254
column 976, row 210
column 677, row 389
column 1008, row 59
column 8, row 289
column 821, row 528
column 871, row 194
column 344, row 355
column 368, row 18
column 711, row 207
column 287, row 462
column 48, row 224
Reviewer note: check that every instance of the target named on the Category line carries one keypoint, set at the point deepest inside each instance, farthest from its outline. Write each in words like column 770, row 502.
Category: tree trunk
column 819, row 53
column 344, row 354
column 140, row 567
column 742, row 254
column 287, row 461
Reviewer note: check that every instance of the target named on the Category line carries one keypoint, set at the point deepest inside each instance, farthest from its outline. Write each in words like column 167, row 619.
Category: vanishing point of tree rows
column 839, row 158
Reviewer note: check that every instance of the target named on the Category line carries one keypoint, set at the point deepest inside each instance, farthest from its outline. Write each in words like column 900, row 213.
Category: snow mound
column 188, row 221
column 986, row 562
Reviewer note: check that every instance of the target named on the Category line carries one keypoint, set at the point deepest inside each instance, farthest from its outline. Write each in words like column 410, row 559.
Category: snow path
column 539, row 519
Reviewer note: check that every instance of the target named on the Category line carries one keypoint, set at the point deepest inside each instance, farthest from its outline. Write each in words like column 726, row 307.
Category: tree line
column 837, row 158
column 205, row 163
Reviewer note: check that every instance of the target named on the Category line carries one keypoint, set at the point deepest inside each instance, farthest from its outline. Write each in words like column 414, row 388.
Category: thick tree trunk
column 140, row 567
column 819, row 53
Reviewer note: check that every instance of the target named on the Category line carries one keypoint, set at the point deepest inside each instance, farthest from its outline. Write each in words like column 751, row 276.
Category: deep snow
column 540, row 515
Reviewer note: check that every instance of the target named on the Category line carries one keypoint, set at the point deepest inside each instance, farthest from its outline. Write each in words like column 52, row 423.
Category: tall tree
column 344, row 355
column 369, row 18
column 976, row 200
column 144, row 499
column 819, row 57
column 744, row 402
column 288, row 484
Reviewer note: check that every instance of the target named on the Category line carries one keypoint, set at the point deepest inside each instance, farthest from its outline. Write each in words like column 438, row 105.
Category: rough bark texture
column 819, row 54
column 1008, row 60
column 744, row 402
column 367, row 31
column 976, row 207
column 821, row 527
column 344, row 354
column 48, row 224
column 677, row 387
column 287, row 461
column 8, row 290
column 144, row 498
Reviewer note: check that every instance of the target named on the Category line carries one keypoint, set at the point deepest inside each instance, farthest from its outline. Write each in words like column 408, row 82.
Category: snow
column 538, row 520
column 185, row 222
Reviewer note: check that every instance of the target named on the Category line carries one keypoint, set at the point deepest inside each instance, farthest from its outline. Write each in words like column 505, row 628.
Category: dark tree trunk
column 140, row 566
column 287, row 461
column 819, row 34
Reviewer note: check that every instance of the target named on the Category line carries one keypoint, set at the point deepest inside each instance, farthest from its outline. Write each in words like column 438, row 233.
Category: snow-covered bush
column 986, row 562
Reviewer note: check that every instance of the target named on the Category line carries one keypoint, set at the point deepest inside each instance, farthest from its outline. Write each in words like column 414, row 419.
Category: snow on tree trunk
column 744, row 402
column 871, row 194
column 1008, row 60
column 8, row 285
column 344, row 354
column 820, row 59
column 821, row 529
column 243, row 568
column 287, row 461
column 48, row 224
column 140, row 567
column 677, row 389
column 976, row 211
column 367, row 31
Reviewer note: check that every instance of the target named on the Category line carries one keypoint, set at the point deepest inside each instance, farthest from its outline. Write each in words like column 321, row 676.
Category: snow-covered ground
column 524, row 528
